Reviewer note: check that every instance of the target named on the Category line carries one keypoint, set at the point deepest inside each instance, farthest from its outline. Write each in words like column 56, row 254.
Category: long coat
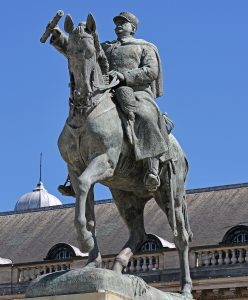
column 139, row 62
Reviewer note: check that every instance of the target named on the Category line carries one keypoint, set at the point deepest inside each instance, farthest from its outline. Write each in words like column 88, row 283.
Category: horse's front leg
column 94, row 258
column 100, row 168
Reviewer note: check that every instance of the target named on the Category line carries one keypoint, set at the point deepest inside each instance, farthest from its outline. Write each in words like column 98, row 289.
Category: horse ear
column 68, row 25
column 91, row 23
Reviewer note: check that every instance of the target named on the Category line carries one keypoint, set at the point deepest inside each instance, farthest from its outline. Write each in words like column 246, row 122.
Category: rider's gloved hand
column 119, row 75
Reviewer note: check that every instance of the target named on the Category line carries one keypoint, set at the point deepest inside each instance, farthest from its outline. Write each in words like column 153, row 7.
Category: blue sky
column 204, row 51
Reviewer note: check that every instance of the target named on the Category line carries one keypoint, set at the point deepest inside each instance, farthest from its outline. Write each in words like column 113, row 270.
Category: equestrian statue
column 115, row 135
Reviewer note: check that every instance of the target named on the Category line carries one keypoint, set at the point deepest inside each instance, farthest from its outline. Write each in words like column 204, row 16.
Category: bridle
column 90, row 104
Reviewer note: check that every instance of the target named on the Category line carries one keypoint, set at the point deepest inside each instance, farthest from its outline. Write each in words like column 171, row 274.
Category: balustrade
column 107, row 263
column 138, row 263
column 216, row 256
column 143, row 262
column 27, row 273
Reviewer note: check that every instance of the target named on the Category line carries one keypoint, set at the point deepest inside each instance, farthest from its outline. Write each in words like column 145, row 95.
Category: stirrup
column 66, row 190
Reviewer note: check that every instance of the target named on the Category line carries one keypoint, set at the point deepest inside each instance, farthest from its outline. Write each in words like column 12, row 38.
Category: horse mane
column 100, row 55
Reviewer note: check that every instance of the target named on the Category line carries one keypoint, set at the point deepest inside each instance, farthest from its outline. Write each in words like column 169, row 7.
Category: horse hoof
column 90, row 244
column 186, row 291
column 117, row 267
column 187, row 295
column 94, row 264
column 87, row 245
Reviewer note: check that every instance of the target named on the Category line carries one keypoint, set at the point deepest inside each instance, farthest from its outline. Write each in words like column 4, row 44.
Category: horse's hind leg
column 131, row 209
column 182, row 238
column 182, row 244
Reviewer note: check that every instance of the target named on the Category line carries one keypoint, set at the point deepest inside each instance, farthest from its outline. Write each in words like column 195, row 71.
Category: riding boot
column 151, row 179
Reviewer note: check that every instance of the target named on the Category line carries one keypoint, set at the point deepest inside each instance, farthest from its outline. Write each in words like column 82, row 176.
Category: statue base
column 95, row 284
column 101, row 295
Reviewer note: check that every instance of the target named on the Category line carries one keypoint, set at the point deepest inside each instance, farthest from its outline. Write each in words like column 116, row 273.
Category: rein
column 93, row 104
column 81, row 108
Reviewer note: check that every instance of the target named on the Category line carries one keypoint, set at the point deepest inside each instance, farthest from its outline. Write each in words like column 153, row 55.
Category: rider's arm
column 59, row 40
column 147, row 71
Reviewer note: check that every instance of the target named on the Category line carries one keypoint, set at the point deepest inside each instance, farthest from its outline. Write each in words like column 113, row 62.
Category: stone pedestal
column 100, row 295
column 94, row 284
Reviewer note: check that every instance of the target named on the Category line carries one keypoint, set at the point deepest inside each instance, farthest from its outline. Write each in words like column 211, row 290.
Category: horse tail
column 186, row 167
column 184, row 205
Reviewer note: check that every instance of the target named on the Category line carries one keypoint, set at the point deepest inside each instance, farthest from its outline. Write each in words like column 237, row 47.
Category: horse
column 95, row 147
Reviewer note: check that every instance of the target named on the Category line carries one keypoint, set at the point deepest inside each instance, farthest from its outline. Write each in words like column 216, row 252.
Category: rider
column 136, row 63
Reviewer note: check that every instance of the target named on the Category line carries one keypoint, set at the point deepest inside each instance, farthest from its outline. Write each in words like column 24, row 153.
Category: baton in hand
column 51, row 25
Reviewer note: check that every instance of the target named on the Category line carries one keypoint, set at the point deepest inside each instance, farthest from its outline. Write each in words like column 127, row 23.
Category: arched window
column 63, row 253
column 236, row 235
column 149, row 246
column 240, row 238
column 60, row 251
column 152, row 243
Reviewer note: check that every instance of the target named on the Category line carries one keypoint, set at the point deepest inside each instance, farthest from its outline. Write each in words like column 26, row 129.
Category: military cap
column 128, row 17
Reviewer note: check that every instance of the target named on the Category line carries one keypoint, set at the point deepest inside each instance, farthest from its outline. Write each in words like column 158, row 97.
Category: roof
column 29, row 235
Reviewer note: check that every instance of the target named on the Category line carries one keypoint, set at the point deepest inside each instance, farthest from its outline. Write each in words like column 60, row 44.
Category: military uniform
column 139, row 62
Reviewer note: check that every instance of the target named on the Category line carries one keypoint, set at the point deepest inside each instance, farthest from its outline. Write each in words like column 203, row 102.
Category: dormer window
column 153, row 243
column 240, row 238
column 150, row 246
column 64, row 251
column 60, row 251
column 236, row 235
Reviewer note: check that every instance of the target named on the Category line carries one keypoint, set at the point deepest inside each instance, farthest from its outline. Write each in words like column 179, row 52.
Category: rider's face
column 123, row 28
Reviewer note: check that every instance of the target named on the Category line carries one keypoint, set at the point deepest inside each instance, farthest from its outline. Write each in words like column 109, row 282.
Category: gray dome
column 36, row 199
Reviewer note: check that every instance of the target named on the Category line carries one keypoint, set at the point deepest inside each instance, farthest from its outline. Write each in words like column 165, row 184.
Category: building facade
column 38, row 240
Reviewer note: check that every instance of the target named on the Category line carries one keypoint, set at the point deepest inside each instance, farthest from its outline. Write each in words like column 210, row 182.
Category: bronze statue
column 112, row 129
column 137, row 65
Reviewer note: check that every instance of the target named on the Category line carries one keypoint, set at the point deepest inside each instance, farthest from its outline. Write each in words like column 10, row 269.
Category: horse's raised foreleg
column 100, row 168
column 131, row 209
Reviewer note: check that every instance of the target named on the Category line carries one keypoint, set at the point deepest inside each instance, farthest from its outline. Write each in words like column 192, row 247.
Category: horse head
column 82, row 51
